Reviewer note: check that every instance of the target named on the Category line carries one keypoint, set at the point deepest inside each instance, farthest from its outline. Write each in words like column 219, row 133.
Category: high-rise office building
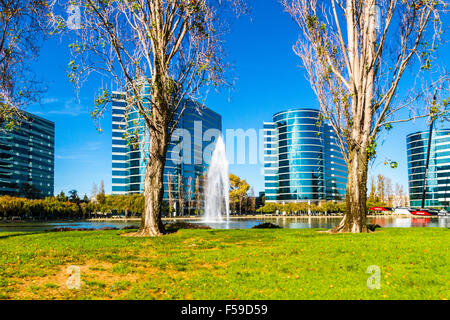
column 186, row 159
column 302, row 159
column 27, row 158
column 438, row 175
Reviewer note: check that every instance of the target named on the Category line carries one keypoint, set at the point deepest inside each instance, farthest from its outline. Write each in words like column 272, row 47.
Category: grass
column 227, row 264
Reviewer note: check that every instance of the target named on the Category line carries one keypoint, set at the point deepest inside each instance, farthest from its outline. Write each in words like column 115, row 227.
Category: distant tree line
column 23, row 208
column 99, row 204
column 70, row 207
column 303, row 208
column 328, row 207
column 242, row 201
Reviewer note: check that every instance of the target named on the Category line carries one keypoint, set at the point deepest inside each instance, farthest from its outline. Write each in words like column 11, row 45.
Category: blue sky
column 268, row 78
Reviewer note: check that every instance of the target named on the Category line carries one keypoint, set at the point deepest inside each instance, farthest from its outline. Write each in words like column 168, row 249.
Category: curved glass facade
column 438, row 175
column 27, row 157
column 186, row 159
column 302, row 161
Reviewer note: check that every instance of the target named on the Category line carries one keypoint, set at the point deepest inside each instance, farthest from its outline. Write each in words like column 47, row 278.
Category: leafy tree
column 101, row 194
column 269, row 207
column 303, row 208
column 23, row 25
column 49, row 207
column 73, row 196
column 239, row 189
column 329, row 207
column 62, row 196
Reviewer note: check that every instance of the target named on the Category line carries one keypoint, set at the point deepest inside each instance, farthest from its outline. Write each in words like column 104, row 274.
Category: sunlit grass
column 227, row 264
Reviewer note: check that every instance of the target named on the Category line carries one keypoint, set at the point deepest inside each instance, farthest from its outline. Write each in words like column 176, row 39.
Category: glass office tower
column 27, row 154
column 119, row 145
column 186, row 159
column 302, row 160
column 438, row 175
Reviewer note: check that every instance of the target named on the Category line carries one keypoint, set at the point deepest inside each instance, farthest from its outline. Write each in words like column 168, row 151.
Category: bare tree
column 198, row 196
column 160, row 52
column 102, row 187
column 381, row 187
column 101, row 197
column 252, row 204
column 23, row 25
column 170, row 192
column 355, row 53
column 373, row 190
column 399, row 197
column 94, row 193
column 389, row 193
column 190, row 195
column 180, row 189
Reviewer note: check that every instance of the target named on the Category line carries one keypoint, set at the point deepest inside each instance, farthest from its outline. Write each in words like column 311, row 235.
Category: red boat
column 425, row 212
column 420, row 222
column 380, row 209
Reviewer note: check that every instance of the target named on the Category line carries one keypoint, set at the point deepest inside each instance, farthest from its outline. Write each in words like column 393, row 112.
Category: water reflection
column 408, row 222
column 330, row 222
column 44, row 226
column 285, row 222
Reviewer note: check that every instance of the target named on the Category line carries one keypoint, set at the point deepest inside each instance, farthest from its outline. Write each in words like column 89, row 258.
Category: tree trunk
column 151, row 223
column 354, row 219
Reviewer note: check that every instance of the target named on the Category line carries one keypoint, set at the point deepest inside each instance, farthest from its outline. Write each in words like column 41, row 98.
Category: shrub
column 372, row 227
column 174, row 227
column 267, row 225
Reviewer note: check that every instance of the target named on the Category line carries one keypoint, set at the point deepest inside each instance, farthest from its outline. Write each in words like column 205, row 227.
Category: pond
column 241, row 223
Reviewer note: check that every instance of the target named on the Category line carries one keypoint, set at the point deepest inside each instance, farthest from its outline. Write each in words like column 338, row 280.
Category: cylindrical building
column 438, row 174
column 302, row 159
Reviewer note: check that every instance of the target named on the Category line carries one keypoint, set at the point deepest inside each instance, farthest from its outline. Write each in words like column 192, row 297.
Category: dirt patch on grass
column 130, row 234
column 92, row 273
column 99, row 280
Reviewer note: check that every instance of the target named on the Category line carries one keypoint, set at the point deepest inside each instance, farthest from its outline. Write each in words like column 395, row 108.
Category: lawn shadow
column 20, row 234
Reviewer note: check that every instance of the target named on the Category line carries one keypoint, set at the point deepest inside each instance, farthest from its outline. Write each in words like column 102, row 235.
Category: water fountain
column 217, row 186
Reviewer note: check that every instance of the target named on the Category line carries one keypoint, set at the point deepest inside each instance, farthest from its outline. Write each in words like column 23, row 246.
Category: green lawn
column 227, row 264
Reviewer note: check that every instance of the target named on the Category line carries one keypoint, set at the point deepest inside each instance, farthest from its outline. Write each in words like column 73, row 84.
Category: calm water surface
column 291, row 223
column 330, row 222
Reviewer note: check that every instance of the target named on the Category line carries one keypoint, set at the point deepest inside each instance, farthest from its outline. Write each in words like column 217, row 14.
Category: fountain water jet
column 217, row 186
